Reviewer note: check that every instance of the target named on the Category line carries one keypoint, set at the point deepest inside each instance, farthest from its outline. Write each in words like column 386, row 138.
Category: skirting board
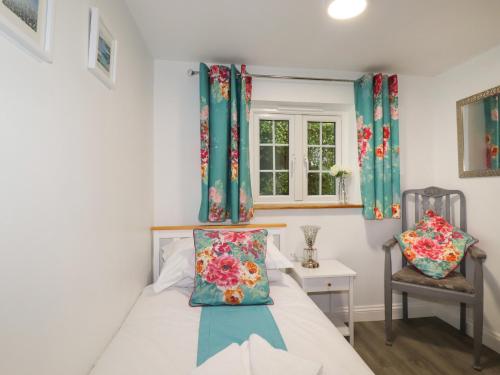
column 491, row 339
column 370, row 313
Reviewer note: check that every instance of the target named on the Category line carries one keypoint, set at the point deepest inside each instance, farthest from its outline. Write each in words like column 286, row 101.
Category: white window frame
column 298, row 163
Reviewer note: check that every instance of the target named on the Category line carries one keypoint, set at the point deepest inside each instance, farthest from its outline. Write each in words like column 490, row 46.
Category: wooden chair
column 455, row 287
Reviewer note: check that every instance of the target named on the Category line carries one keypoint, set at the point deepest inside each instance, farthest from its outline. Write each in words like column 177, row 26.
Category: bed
column 160, row 334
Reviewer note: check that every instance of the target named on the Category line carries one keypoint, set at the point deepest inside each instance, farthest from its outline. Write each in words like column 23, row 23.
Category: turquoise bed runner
column 221, row 326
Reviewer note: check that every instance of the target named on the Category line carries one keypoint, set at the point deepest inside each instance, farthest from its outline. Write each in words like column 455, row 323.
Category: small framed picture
column 29, row 23
column 102, row 50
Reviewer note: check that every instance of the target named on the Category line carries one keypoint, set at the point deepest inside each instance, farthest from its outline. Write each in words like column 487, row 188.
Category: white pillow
column 177, row 244
column 274, row 276
column 274, row 258
column 178, row 266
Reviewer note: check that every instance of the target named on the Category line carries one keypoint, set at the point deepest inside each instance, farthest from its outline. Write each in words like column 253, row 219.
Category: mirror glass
column 479, row 134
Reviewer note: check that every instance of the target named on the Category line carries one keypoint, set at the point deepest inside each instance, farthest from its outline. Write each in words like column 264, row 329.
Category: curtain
column 377, row 117
column 492, row 132
column 225, row 95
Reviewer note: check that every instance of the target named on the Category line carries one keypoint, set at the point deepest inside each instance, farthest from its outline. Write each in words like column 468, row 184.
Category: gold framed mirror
column 478, row 129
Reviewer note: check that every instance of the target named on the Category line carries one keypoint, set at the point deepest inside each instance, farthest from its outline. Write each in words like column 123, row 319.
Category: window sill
column 303, row 206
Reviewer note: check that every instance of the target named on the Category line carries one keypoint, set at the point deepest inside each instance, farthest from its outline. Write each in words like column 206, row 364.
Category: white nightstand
column 331, row 276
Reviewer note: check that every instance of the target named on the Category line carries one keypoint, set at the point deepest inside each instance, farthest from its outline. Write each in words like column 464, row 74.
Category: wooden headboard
column 162, row 235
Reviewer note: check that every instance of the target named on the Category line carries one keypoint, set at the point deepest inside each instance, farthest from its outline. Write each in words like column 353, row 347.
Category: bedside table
column 331, row 276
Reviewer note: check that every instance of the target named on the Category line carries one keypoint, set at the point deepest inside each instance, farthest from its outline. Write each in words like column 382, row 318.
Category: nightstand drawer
column 325, row 284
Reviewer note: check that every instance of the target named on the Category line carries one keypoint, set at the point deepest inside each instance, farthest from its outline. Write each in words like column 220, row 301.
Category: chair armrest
column 389, row 244
column 476, row 253
column 478, row 256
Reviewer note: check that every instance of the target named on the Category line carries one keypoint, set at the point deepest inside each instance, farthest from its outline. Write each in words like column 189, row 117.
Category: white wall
column 76, row 196
column 344, row 234
column 483, row 204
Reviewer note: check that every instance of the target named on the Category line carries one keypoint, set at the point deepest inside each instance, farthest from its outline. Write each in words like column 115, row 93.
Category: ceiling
column 421, row 37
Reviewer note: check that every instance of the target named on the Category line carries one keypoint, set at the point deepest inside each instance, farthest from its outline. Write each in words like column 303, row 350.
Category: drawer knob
column 329, row 284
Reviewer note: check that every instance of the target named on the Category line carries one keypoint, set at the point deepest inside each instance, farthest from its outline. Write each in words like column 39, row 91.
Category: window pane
column 281, row 129
column 266, row 183
column 282, row 183
column 313, row 183
column 281, row 158
column 327, row 184
column 266, row 131
column 328, row 158
column 313, row 133
column 328, row 133
column 313, row 156
column 266, row 157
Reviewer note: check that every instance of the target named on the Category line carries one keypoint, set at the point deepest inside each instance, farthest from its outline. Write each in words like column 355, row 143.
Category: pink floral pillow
column 230, row 268
column 434, row 246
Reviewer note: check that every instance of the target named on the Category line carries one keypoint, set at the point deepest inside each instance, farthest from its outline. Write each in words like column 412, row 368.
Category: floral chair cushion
column 230, row 268
column 434, row 246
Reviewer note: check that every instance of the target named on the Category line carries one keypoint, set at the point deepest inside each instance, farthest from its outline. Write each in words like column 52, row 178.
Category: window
column 291, row 156
column 320, row 157
column 274, row 160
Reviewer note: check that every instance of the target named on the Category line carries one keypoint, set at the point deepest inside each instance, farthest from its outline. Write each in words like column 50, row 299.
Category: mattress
column 160, row 335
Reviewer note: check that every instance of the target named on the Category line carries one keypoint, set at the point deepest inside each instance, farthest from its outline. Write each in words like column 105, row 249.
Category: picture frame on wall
column 29, row 23
column 102, row 50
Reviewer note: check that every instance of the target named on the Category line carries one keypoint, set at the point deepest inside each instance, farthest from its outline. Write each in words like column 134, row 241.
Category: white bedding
column 160, row 335
column 256, row 356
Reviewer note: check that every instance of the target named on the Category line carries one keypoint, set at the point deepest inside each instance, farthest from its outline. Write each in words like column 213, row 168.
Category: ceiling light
column 344, row 9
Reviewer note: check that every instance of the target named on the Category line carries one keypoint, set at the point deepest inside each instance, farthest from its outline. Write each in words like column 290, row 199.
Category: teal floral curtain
column 225, row 95
column 377, row 117
column 492, row 132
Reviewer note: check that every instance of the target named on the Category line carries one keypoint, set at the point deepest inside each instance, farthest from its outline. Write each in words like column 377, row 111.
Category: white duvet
column 160, row 335
column 256, row 357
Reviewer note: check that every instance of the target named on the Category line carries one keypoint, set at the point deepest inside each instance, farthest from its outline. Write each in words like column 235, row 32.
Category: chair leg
column 405, row 306
column 388, row 315
column 478, row 334
column 463, row 318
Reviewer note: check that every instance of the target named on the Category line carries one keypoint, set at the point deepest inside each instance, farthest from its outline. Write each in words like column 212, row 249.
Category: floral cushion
column 434, row 246
column 230, row 268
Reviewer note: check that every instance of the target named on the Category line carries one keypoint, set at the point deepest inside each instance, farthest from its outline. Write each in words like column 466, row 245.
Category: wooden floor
column 421, row 346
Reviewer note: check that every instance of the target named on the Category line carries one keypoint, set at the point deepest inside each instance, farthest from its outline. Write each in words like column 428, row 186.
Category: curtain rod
column 192, row 72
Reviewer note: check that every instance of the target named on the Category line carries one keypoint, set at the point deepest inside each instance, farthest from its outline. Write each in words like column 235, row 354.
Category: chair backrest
column 443, row 202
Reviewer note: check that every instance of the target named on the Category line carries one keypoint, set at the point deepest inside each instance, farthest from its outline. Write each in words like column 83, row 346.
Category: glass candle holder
column 310, row 252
